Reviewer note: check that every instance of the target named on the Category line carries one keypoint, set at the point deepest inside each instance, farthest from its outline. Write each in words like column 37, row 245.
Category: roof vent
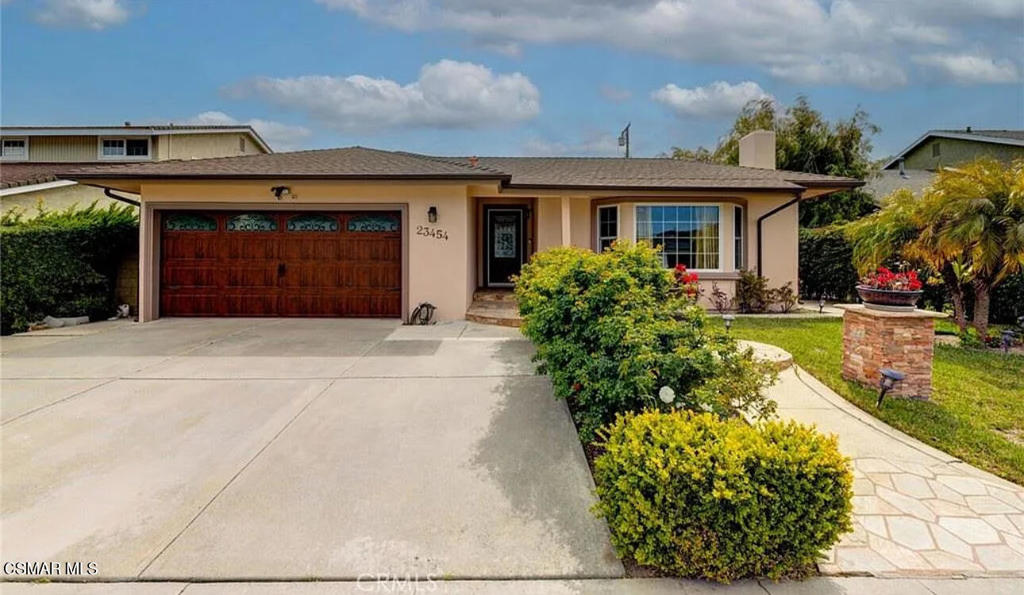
column 968, row 129
column 473, row 161
column 127, row 123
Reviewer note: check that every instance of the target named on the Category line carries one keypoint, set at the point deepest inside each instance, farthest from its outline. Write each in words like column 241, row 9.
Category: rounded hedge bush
column 698, row 496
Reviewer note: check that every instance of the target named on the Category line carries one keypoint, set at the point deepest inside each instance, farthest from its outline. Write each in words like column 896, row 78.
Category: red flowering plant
column 686, row 282
column 885, row 279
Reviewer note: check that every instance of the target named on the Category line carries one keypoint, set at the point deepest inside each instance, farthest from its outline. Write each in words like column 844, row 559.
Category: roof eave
column 275, row 176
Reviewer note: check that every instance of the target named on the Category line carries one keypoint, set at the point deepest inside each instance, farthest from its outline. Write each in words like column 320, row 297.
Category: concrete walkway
column 661, row 586
column 234, row 450
column 918, row 511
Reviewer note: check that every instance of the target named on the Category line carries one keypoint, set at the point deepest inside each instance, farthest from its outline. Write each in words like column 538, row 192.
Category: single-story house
column 364, row 232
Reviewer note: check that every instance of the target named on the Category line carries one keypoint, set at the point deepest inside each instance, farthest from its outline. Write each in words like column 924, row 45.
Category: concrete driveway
column 239, row 449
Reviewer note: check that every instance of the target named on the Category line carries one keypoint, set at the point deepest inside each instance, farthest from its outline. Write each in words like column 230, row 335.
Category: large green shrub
column 697, row 496
column 826, row 265
column 62, row 263
column 613, row 329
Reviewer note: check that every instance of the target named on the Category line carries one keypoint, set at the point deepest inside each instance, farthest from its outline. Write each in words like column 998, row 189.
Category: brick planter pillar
column 876, row 339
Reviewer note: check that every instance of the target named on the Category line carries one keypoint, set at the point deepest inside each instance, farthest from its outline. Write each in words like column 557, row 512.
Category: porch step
column 498, row 310
column 494, row 295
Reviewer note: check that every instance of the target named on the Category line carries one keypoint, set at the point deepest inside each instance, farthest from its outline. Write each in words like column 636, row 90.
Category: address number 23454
column 432, row 232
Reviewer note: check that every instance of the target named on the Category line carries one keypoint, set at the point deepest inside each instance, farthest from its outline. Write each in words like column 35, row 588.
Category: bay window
column 688, row 234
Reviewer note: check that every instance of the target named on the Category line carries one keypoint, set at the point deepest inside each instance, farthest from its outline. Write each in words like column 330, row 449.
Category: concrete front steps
column 494, row 306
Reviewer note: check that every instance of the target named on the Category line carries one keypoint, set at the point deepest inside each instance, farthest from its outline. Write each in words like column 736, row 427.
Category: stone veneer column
column 903, row 341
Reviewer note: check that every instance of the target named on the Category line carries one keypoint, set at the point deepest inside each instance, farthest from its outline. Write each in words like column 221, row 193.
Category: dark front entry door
column 505, row 244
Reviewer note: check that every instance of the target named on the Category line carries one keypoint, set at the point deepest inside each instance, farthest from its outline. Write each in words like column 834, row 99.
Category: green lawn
column 977, row 408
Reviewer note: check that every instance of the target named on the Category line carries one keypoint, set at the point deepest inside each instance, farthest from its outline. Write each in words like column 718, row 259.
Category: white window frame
column 147, row 157
column 23, row 157
column 739, row 244
column 618, row 225
column 721, row 226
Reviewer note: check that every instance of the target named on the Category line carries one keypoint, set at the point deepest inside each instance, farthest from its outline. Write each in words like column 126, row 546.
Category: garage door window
column 312, row 222
column 189, row 222
column 252, row 222
column 373, row 223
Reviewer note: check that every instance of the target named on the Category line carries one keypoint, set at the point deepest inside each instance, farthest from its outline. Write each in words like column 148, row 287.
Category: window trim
column 126, row 157
column 721, row 226
column 739, row 257
column 618, row 225
column 24, row 157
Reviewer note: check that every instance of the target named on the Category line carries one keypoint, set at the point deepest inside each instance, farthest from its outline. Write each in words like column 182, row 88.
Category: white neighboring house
column 32, row 156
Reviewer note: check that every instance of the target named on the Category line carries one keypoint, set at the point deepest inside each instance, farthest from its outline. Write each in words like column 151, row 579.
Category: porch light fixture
column 280, row 191
column 432, row 214
column 727, row 319
column 888, row 379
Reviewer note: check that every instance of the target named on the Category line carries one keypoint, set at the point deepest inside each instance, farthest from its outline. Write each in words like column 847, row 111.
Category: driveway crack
column 235, row 476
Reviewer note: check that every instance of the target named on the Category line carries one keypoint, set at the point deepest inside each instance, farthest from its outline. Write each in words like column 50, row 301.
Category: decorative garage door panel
column 281, row 264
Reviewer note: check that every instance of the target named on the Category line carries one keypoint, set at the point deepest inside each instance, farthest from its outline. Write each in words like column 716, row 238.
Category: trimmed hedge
column 62, row 263
column 826, row 265
column 613, row 330
column 696, row 496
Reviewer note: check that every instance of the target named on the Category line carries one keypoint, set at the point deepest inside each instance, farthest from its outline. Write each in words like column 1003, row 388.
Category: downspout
column 765, row 216
column 109, row 194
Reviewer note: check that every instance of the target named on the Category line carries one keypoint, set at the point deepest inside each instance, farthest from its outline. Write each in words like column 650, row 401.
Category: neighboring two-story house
column 914, row 166
column 33, row 155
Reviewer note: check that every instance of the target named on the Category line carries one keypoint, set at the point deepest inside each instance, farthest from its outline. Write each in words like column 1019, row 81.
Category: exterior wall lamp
column 727, row 319
column 432, row 214
column 888, row 380
column 280, row 191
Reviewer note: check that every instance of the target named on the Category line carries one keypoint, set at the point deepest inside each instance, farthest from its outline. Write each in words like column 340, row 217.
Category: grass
column 976, row 412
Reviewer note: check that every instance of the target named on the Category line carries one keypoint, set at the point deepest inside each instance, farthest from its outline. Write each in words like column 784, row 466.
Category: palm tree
column 968, row 226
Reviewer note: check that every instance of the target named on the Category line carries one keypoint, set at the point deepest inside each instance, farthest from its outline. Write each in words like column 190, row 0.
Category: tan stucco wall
column 55, row 199
column 549, row 226
column 438, row 271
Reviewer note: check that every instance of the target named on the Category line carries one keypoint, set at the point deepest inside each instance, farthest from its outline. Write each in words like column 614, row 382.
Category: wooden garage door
column 281, row 264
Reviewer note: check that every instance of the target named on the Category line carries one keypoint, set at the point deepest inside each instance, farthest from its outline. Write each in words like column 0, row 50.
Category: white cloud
column 82, row 14
column 280, row 136
column 798, row 40
column 447, row 94
column 970, row 69
column 615, row 94
column 717, row 100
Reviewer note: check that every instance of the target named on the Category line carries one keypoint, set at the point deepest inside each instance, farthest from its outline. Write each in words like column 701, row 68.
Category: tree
column 968, row 226
column 805, row 142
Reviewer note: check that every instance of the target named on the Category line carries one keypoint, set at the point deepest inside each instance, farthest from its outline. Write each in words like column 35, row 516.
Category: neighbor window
column 15, row 148
column 688, row 234
column 737, row 230
column 122, row 148
column 607, row 227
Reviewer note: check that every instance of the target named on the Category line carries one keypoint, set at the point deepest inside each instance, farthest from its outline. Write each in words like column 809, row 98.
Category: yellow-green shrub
column 698, row 496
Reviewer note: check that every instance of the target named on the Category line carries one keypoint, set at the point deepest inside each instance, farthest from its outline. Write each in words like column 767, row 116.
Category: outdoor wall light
column 727, row 319
column 888, row 380
column 280, row 191
column 432, row 214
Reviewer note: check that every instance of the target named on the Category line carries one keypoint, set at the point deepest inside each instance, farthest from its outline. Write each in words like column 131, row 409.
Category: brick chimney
column 757, row 149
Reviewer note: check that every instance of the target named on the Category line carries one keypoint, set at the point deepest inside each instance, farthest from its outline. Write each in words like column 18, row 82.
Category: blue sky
column 510, row 77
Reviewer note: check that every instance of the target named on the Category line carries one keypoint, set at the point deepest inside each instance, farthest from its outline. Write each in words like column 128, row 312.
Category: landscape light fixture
column 432, row 214
column 280, row 191
column 1008, row 335
column 727, row 319
column 821, row 304
column 888, row 380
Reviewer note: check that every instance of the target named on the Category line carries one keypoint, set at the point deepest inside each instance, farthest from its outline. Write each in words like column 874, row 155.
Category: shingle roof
column 1007, row 134
column 13, row 175
column 554, row 172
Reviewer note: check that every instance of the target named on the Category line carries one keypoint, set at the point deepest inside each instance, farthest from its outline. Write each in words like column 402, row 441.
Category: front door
column 505, row 244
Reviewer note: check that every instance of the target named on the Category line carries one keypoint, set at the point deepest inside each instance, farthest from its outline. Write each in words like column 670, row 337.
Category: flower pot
column 888, row 299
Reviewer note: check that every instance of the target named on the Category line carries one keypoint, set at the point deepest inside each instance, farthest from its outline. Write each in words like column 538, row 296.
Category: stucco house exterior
column 33, row 155
column 364, row 232
column 914, row 166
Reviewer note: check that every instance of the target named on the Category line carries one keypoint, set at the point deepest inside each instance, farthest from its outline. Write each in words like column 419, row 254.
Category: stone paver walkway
column 918, row 511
